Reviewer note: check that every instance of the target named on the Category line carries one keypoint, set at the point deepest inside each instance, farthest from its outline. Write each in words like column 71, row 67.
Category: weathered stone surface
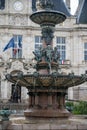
column 29, row 127
column 0, row 127
column 63, row 127
column 43, row 126
column 15, row 127
column 47, row 124
column 82, row 127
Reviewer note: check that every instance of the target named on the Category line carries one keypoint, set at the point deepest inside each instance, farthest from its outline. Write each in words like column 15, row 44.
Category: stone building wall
column 15, row 20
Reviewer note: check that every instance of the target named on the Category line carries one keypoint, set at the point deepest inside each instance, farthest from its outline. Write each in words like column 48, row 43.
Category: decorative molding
column 18, row 19
column 2, row 19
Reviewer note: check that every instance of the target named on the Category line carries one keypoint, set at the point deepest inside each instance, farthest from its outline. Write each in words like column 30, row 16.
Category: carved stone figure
column 38, row 54
column 48, row 53
column 47, row 35
column 56, row 55
column 44, row 4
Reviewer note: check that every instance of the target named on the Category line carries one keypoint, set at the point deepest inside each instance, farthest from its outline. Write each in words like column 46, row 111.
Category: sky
column 74, row 4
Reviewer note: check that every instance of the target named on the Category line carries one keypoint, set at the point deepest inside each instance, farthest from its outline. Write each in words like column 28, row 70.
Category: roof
column 59, row 5
column 82, row 15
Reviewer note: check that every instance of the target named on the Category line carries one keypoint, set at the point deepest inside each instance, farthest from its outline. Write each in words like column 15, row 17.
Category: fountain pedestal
column 47, row 104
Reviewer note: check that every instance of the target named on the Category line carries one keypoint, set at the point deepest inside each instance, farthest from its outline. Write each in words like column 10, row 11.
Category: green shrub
column 80, row 108
column 69, row 106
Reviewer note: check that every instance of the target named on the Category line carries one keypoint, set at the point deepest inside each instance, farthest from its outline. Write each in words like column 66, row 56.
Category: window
column 61, row 44
column 17, row 50
column 86, row 72
column 38, row 42
column 85, row 51
column 33, row 5
column 15, row 94
column 2, row 4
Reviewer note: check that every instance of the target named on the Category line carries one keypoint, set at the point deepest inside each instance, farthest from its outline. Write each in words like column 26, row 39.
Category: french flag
column 10, row 44
column 15, row 51
column 62, row 62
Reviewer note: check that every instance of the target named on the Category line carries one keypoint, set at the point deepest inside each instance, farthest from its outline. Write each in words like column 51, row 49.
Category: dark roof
column 59, row 5
column 79, row 7
column 82, row 16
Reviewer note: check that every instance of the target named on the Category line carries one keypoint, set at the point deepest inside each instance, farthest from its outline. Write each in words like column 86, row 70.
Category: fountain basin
column 48, row 17
column 54, row 81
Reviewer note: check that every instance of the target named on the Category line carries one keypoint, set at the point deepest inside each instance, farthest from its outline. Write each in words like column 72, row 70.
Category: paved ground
column 73, row 123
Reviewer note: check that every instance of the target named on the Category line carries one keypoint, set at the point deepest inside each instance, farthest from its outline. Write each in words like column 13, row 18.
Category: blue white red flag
column 10, row 44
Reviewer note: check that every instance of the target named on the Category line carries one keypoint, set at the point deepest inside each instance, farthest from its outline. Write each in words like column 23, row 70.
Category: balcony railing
column 65, row 63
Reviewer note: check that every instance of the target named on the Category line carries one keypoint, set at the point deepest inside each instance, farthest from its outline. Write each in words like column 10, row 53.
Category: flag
column 10, row 44
column 19, row 41
column 62, row 62
column 15, row 51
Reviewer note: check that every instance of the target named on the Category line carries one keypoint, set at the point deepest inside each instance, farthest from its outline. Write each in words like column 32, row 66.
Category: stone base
column 47, row 124
column 48, row 113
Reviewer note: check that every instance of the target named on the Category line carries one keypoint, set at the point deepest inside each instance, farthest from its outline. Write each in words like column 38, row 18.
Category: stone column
column 30, row 99
column 55, row 103
column 36, row 100
column 61, row 101
column 33, row 99
column 49, row 99
column 58, row 99
column 64, row 99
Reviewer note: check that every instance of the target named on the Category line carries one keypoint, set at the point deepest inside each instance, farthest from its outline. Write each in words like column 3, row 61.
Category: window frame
column 61, row 44
column 17, row 50
column 38, row 42
column 85, row 51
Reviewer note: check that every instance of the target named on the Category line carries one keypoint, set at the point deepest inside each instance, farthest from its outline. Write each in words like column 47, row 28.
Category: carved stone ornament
column 18, row 20
column 47, row 35
column 48, row 53
column 44, row 4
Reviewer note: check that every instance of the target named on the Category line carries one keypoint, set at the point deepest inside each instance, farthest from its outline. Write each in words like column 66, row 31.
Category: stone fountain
column 47, row 87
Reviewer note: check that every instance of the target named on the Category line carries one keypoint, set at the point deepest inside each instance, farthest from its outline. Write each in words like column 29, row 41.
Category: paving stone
column 15, row 127
column 29, row 126
column 43, row 127
column 63, row 127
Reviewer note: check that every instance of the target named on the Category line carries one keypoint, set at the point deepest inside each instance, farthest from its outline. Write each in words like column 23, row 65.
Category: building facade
column 15, row 25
